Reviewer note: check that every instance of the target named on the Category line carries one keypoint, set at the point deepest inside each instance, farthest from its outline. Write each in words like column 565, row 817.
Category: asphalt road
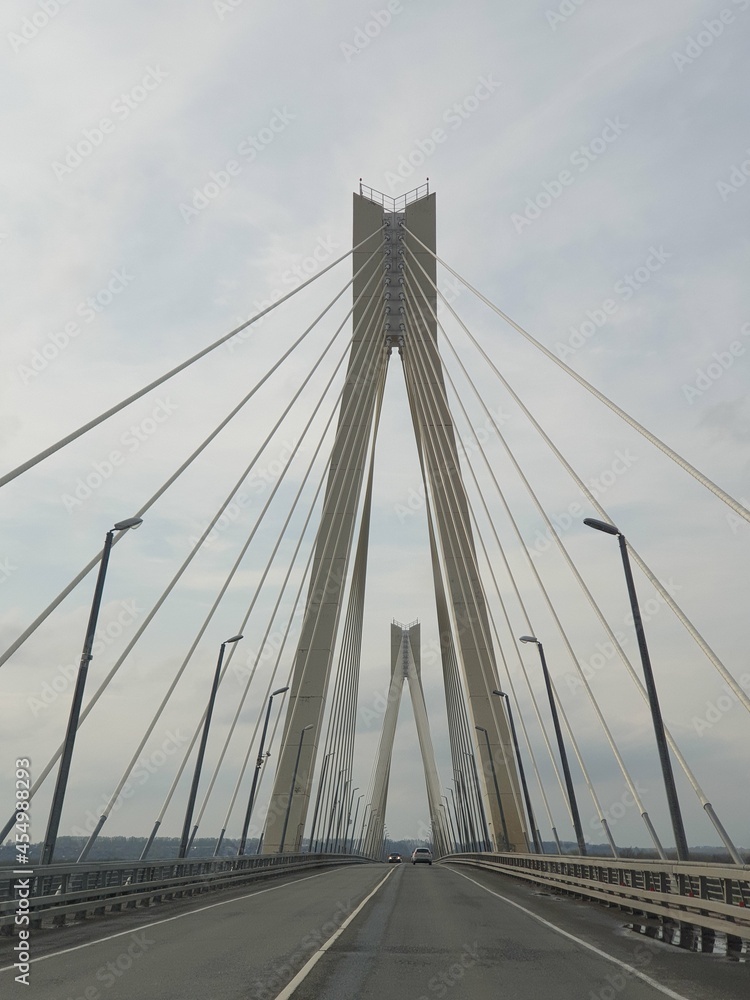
column 422, row 932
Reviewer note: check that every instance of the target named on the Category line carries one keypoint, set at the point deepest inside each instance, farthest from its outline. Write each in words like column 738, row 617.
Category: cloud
column 302, row 123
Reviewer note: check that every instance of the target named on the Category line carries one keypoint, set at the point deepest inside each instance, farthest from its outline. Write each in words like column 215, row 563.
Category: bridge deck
column 426, row 932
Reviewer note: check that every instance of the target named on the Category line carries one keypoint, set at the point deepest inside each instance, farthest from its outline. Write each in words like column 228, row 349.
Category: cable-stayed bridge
column 507, row 778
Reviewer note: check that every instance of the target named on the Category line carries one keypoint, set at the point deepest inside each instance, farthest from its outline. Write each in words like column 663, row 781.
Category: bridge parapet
column 55, row 891
column 694, row 894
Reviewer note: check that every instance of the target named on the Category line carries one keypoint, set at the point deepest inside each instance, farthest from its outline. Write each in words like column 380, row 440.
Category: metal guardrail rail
column 713, row 897
column 55, row 891
column 390, row 203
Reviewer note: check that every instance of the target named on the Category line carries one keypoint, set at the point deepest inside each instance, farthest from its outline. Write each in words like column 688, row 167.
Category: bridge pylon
column 382, row 231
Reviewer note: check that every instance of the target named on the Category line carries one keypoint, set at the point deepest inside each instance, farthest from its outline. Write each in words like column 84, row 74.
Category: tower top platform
column 391, row 204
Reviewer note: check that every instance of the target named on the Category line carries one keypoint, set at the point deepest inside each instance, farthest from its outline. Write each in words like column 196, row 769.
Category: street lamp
column 61, row 784
column 497, row 789
column 339, row 827
column 291, row 790
column 258, row 766
column 461, row 843
column 332, row 811
column 186, row 839
column 445, row 804
column 683, row 852
column 349, row 845
column 561, row 746
column 527, row 798
column 362, row 828
column 482, row 817
column 317, row 800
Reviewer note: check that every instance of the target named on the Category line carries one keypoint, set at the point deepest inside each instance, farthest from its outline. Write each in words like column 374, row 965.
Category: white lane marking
column 178, row 916
column 611, row 958
column 307, row 968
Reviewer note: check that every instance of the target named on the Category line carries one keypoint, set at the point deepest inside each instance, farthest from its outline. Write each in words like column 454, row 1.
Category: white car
column 422, row 855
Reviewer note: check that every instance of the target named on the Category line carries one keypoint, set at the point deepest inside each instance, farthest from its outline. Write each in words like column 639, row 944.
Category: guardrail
column 390, row 203
column 691, row 894
column 55, row 891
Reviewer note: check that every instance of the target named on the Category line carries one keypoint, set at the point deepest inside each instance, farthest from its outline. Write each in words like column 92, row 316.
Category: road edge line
column 166, row 920
column 307, row 968
column 591, row 947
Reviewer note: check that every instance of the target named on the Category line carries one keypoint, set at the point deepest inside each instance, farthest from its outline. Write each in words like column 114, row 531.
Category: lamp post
column 186, row 839
column 362, row 828
column 561, row 746
column 317, row 800
column 58, row 797
column 354, row 824
column 461, row 843
column 291, row 789
column 485, row 830
column 683, row 852
column 535, row 836
column 332, row 810
column 446, row 806
column 472, row 839
column 497, row 789
column 258, row 766
column 339, row 819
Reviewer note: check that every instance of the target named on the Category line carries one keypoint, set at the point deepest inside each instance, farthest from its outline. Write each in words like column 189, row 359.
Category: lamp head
column 529, row 638
column 610, row 529
column 235, row 638
column 129, row 522
column 279, row 691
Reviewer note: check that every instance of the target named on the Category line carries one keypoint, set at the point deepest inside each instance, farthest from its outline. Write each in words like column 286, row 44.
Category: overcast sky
column 167, row 168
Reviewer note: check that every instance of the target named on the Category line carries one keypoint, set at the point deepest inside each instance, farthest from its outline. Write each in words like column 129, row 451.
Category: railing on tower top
column 394, row 204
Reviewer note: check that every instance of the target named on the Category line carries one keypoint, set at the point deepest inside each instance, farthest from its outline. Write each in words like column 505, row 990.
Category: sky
column 171, row 169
